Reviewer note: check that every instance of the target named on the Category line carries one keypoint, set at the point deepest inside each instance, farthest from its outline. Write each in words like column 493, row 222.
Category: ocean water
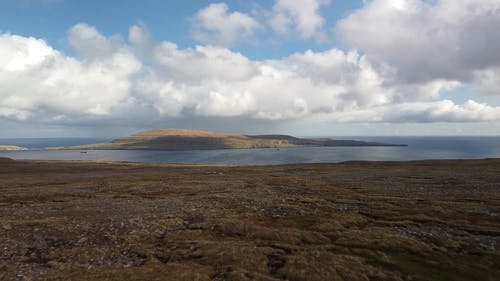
column 419, row 148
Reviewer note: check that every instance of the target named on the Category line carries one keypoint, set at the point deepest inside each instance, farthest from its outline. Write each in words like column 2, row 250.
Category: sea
column 419, row 148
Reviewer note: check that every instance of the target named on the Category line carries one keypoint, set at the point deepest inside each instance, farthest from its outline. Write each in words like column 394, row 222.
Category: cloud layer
column 217, row 26
column 398, row 75
column 429, row 40
column 302, row 16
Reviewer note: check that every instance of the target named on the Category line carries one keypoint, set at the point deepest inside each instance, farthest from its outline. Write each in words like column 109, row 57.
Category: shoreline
column 197, row 164
column 171, row 139
column 12, row 148
column 106, row 146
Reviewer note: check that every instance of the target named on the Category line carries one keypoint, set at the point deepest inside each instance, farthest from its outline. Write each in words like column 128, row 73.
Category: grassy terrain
column 429, row 220
column 176, row 139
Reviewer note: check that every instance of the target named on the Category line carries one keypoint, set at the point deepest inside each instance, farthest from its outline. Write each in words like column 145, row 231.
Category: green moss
column 304, row 222
column 426, row 271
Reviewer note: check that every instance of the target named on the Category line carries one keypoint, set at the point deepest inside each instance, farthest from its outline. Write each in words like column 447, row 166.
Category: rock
column 39, row 242
column 82, row 241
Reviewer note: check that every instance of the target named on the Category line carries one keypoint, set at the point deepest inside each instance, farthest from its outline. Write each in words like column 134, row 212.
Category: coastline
column 181, row 140
column 11, row 148
column 201, row 164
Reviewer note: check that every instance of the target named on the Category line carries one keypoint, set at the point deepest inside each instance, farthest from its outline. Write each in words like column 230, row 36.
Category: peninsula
column 177, row 139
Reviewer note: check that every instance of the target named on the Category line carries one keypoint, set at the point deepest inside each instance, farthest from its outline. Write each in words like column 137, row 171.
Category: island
column 11, row 148
column 178, row 139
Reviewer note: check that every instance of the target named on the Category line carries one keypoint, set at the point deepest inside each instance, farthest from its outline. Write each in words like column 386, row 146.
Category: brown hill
column 177, row 139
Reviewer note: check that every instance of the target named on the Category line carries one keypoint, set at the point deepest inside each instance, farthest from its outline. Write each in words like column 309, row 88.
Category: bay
column 419, row 148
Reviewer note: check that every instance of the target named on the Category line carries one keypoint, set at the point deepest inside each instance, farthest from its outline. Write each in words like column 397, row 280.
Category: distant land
column 177, row 139
column 10, row 147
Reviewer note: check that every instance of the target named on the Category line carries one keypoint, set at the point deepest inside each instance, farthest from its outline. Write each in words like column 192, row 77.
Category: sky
column 72, row 68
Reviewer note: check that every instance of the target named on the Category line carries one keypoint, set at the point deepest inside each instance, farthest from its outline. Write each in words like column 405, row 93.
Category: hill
column 177, row 139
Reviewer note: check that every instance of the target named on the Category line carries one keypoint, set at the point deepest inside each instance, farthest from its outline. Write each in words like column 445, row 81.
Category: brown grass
column 354, row 221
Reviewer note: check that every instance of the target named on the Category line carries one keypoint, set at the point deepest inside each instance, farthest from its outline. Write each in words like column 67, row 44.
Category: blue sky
column 304, row 67
column 166, row 20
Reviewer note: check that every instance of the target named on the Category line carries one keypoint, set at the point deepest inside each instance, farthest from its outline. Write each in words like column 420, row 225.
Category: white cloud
column 302, row 16
column 488, row 81
column 203, row 63
column 141, row 80
column 140, row 40
column 215, row 25
column 90, row 44
column 19, row 52
column 40, row 82
column 440, row 111
column 427, row 40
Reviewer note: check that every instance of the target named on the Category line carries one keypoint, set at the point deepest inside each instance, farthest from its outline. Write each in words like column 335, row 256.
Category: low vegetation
column 175, row 139
column 431, row 220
